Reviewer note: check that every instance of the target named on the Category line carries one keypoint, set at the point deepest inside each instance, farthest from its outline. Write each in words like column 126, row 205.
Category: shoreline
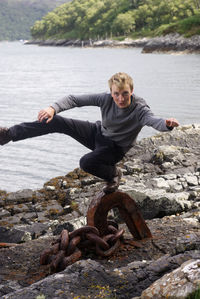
column 164, row 44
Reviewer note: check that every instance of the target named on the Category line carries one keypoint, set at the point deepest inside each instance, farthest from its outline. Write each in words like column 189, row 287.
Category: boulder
column 180, row 283
column 173, row 42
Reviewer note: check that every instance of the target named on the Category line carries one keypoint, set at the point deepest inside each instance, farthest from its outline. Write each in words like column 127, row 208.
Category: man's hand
column 47, row 114
column 171, row 122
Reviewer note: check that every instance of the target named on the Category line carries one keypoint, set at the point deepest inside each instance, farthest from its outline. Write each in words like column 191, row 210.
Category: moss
column 61, row 198
column 77, row 174
column 6, row 224
column 44, row 204
column 158, row 158
column 40, row 297
column 53, row 212
column 3, row 193
column 74, row 206
column 10, row 207
column 103, row 292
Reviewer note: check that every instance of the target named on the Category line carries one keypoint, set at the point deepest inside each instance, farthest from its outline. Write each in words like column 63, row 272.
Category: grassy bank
column 187, row 27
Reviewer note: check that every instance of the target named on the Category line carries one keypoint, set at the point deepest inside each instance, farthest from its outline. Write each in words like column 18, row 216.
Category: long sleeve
column 72, row 101
column 147, row 118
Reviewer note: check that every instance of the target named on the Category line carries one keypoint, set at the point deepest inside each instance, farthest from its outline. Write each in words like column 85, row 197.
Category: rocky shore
column 168, row 43
column 162, row 174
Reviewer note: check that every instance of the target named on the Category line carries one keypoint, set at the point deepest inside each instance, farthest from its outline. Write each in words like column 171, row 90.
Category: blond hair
column 120, row 79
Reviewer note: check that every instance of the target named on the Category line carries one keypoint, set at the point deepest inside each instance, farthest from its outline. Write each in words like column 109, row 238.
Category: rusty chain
column 100, row 235
column 68, row 248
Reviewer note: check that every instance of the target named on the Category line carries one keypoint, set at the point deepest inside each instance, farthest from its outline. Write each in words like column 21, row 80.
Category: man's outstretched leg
column 82, row 131
column 100, row 162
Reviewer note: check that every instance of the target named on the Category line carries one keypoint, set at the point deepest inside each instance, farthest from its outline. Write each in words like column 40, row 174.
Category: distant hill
column 102, row 19
column 17, row 16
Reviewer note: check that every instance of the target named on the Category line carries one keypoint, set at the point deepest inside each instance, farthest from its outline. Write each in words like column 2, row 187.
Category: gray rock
column 191, row 179
column 21, row 196
column 157, row 203
column 173, row 42
column 4, row 213
column 20, row 208
column 160, row 183
column 175, row 186
column 180, row 283
column 170, row 176
column 13, row 235
column 50, row 188
column 170, row 42
column 134, row 166
column 2, row 202
column 34, row 230
column 88, row 277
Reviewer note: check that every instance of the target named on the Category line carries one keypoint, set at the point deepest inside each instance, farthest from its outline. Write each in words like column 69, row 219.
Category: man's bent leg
column 101, row 163
column 82, row 131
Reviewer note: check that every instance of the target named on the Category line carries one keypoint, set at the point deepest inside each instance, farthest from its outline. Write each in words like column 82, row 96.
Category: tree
column 196, row 3
column 135, row 3
column 124, row 23
column 91, row 18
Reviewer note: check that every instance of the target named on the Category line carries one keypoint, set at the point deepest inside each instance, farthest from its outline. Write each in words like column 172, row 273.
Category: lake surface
column 33, row 77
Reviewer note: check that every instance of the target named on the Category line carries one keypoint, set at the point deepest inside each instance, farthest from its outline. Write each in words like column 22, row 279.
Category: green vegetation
column 194, row 295
column 17, row 16
column 98, row 19
column 188, row 27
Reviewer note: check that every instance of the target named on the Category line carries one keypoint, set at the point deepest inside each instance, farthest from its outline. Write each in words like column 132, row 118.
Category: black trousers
column 104, row 154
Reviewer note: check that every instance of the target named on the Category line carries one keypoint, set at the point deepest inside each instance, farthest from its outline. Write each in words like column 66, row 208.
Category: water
column 33, row 77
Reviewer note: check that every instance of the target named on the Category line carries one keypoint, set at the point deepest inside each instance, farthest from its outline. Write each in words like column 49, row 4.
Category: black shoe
column 113, row 185
column 4, row 136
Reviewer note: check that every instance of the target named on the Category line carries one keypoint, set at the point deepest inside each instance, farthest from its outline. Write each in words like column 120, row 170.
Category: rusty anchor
column 129, row 211
column 100, row 234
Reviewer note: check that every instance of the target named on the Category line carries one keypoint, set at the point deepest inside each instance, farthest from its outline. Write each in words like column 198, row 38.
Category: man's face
column 121, row 97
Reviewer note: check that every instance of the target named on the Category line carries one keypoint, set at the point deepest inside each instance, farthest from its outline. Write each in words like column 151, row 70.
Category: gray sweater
column 122, row 125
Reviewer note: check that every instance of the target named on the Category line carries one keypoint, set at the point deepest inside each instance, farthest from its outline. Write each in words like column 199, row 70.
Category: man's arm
column 147, row 118
column 70, row 102
column 73, row 101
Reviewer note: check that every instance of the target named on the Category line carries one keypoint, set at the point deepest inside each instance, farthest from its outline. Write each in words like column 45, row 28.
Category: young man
column 123, row 116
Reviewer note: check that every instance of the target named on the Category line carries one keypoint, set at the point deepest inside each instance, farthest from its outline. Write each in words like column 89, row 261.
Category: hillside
column 100, row 19
column 17, row 16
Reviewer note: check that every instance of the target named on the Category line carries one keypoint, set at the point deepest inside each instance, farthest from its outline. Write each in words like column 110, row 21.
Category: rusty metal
column 55, row 248
column 72, row 244
column 7, row 245
column 102, row 204
column 112, row 229
column 64, row 239
column 100, row 235
column 44, row 257
column 56, row 263
column 84, row 230
column 97, row 240
column 108, row 252
column 117, row 236
column 72, row 258
column 60, row 255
